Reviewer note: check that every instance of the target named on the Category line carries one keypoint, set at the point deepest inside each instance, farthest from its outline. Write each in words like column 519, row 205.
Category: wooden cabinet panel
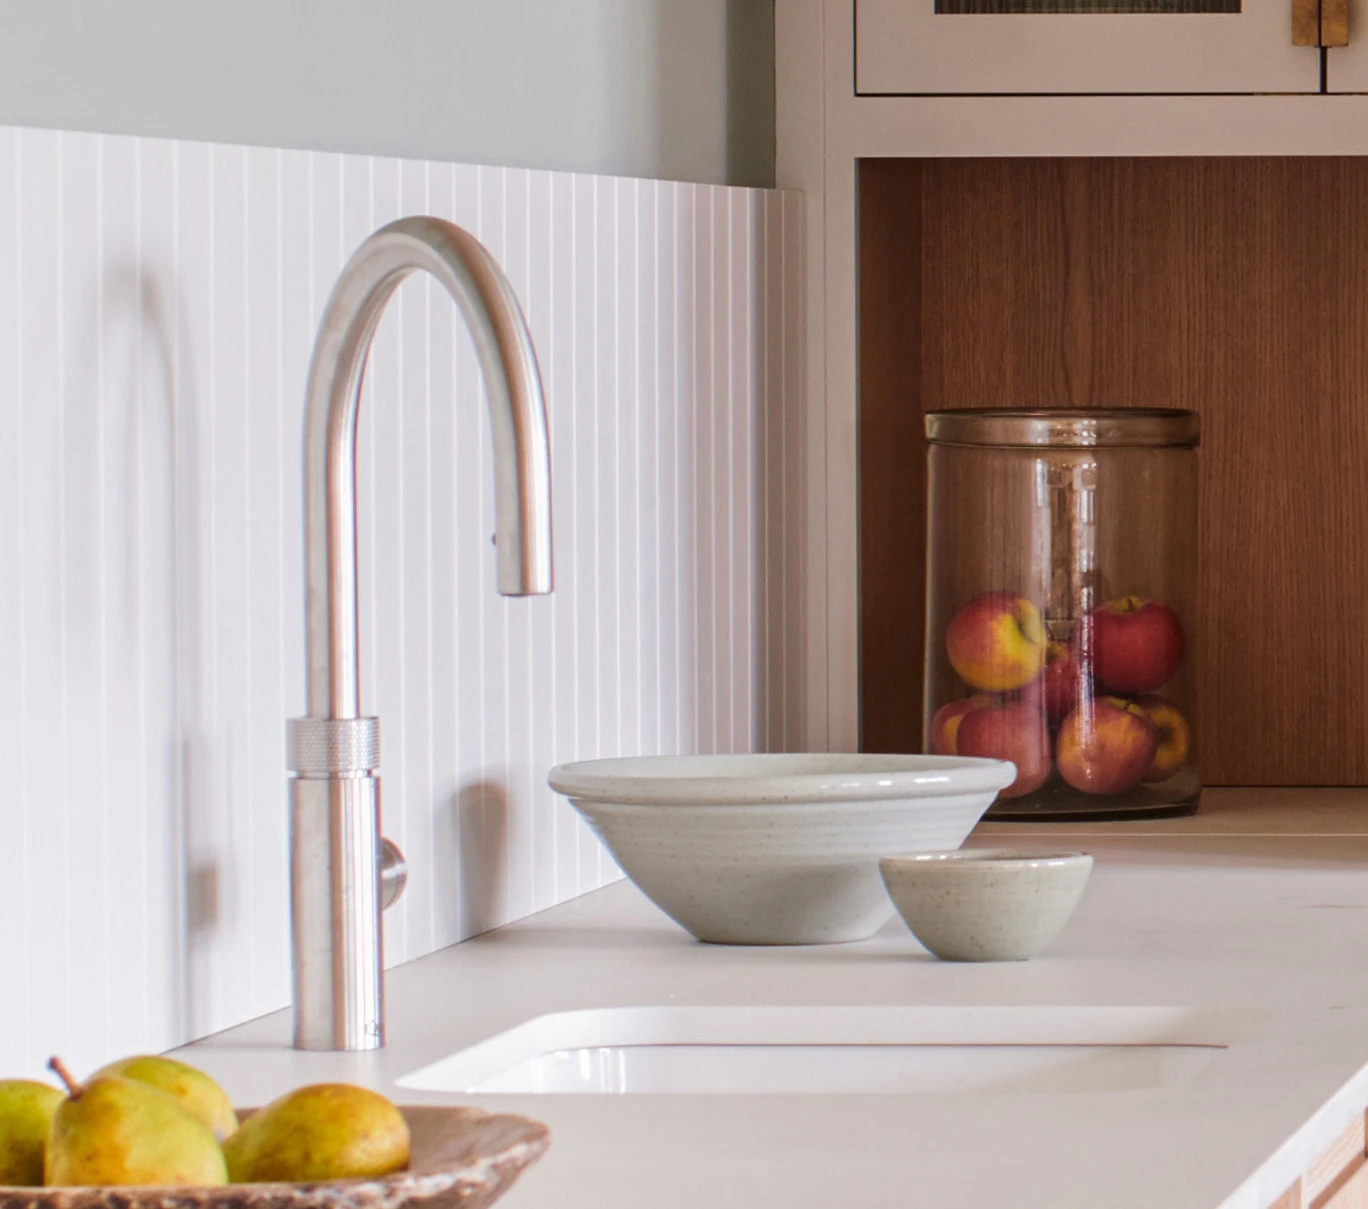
column 892, row 459
column 1351, row 1194
column 916, row 47
column 1291, row 1199
column 1232, row 286
column 1340, row 1157
column 1338, row 1179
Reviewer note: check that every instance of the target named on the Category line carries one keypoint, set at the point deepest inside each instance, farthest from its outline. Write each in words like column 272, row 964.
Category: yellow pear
column 192, row 1089
column 120, row 1132
column 329, row 1131
column 26, row 1110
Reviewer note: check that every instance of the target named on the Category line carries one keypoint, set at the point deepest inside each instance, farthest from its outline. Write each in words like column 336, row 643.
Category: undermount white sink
column 832, row 1051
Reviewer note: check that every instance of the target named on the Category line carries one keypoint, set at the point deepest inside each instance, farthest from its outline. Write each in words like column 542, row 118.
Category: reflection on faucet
column 335, row 845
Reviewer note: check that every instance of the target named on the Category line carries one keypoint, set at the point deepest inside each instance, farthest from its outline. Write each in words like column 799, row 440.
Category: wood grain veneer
column 1234, row 286
column 892, row 458
column 1351, row 1193
column 1340, row 1159
column 1291, row 1199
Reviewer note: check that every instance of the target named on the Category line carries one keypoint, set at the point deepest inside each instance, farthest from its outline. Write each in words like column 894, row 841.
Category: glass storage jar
column 1061, row 586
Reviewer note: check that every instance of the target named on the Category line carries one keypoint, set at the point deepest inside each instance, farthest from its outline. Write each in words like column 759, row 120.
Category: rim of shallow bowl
column 776, row 779
column 986, row 859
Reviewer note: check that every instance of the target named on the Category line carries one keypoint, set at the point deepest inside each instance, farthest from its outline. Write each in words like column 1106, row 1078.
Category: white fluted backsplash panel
column 157, row 307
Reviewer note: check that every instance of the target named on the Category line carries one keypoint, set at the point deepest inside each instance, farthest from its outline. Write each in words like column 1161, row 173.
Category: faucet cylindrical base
column 335, row 912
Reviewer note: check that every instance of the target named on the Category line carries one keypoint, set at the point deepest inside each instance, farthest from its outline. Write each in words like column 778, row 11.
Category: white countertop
column 1255, row 911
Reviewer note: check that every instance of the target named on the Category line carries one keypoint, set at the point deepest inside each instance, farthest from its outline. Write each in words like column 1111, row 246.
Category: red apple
column 1012, row 731
column 1135, row 644
column 946, row 722
column 1106, row 745
column 1060, row 683
column 1175, row 737
column 996, row 642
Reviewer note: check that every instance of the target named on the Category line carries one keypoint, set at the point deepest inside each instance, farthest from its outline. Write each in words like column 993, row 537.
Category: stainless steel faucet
column 341, row 873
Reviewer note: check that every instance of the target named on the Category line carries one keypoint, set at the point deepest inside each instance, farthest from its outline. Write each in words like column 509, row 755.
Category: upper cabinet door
column 1346, row 67
column 921, row 47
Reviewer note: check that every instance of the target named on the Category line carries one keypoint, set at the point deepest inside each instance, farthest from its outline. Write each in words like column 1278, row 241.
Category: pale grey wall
column 680, row 89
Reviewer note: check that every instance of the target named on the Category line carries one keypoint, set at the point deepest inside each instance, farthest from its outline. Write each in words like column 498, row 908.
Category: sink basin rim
column 823, row 1026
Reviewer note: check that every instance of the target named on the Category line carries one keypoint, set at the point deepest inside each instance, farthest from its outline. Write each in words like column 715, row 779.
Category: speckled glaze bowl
column 776, row 849
column 986, row 904
column 462, row 1158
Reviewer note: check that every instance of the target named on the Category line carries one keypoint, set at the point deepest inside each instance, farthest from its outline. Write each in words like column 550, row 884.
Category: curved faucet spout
column 522, row 475
column 336, row 852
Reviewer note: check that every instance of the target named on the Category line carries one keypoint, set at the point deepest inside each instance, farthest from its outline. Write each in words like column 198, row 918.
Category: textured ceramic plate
column 462, row 1158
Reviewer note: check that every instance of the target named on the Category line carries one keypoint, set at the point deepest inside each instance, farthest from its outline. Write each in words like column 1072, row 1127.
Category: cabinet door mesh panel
column 1087, row 6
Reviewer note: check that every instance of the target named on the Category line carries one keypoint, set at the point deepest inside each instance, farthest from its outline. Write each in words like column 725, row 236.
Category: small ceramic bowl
column 776, row 849
column 986, row 904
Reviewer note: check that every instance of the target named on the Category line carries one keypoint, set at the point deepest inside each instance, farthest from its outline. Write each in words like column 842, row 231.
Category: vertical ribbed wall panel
column 157, row 307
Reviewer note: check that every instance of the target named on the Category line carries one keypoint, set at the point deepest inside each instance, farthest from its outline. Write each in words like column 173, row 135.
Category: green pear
column 120, row 1132
column 329, row 1131
column 26, row 1110
column 192, row 1089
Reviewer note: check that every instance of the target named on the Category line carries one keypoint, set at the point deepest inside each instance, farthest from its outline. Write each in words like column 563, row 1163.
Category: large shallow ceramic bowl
column 776, row 849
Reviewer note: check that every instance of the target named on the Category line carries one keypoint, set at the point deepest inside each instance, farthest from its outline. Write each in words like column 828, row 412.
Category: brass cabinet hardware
column 1334, row 23
column 1305, row 22
column 1320, row 22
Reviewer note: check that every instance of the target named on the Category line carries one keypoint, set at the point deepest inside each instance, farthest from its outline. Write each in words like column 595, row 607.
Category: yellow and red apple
column 996, row 642
column 1012, row 730
column 1175, row 737
column 945, row 723
column 1135, row 644
column 1106, row 745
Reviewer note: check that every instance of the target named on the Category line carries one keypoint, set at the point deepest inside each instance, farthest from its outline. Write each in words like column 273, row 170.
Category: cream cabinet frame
column 1346, row 67
column 824, row 128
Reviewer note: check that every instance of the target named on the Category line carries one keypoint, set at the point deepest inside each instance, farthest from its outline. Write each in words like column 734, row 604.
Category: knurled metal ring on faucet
column 320, row 747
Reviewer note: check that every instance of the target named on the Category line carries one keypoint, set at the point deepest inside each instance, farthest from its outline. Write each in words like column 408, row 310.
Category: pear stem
column 58, row 1067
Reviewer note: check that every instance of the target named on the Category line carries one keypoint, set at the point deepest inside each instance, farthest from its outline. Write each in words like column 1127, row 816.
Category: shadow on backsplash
column 167, row 434
column 164, row 456
column 482, row 834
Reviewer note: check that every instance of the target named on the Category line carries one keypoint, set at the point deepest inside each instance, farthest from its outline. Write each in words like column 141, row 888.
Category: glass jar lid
column 1121, row 427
